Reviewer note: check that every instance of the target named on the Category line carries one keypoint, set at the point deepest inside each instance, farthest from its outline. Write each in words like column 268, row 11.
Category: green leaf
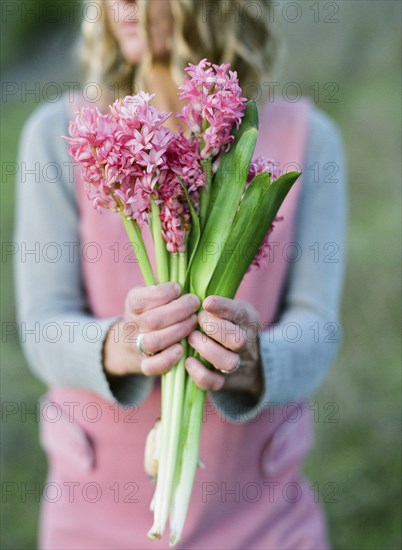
column 246, row 214
column 227, row 190
column 256, row 213
column 225, row 169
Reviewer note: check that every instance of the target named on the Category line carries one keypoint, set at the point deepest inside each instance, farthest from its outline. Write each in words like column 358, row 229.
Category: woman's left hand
column 230, row 340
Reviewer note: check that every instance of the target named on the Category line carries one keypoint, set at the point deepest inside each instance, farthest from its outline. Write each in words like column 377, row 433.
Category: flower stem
column 173, row 268
column 173, row 384
column 189, row 453
column 188, row 457
column 137, row 242
column 162, row 258
column 162, row 264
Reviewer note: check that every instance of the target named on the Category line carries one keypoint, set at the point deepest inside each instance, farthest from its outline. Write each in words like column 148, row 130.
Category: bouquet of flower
column 198, row 192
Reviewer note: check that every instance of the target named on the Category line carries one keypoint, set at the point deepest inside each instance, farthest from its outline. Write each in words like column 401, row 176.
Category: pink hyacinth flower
column 214, row 105
column 122, row 154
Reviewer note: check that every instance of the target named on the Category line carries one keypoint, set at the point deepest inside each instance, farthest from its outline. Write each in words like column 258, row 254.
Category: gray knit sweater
column 63, row 342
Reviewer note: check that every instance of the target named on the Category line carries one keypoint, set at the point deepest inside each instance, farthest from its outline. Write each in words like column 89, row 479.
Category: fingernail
column 178, row 351
column 194, row 301
column 201, row 316
column 209, row 302
column 177, row 288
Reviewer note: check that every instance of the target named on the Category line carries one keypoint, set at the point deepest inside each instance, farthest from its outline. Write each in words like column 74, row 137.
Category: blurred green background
column 354, row 46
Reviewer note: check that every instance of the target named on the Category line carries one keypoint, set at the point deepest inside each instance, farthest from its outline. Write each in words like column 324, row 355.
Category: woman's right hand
column 163, row 317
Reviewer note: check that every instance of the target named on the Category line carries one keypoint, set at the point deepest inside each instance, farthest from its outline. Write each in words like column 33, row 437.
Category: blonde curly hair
column 224, row 31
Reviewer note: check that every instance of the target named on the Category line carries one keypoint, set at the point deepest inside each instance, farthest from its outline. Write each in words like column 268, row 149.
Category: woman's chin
column 133, row 49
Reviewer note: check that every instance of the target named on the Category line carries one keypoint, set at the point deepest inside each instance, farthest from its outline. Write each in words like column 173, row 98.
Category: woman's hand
column 163, row 317
column 230, row 340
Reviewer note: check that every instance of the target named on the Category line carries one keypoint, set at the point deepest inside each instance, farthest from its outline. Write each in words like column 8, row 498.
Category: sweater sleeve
column 297, row 351
column 63, row 343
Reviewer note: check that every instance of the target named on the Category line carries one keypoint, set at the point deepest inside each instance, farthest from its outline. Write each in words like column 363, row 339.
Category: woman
column 269, row 348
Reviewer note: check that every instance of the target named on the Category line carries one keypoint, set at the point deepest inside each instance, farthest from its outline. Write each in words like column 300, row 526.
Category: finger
column 205, row 379
column 224, row 332
column 169, row 314
column 155, row 341
column 220, row 357
column 162, row 362
column 140, row 299
column 225, row 308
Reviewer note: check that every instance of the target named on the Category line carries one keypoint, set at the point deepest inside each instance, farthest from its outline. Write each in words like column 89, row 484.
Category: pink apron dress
column 250, row 495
